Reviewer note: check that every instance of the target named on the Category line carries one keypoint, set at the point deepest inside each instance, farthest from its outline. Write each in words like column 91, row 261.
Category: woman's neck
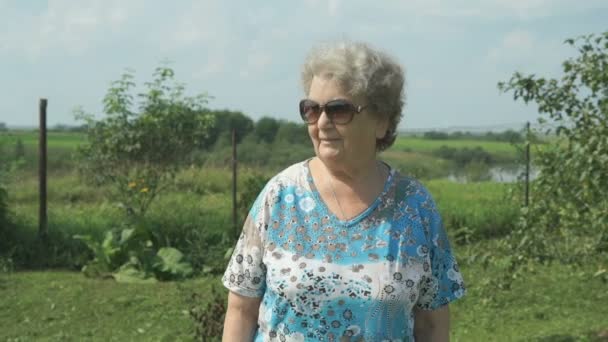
column 362, row 176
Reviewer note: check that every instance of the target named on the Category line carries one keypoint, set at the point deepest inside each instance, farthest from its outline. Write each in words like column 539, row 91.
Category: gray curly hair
column 362, row 72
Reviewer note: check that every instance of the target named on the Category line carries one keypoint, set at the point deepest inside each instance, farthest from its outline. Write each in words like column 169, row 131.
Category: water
column 500, row 174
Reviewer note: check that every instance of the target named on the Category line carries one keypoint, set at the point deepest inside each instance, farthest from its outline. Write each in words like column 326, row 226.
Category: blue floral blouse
column 323, row 279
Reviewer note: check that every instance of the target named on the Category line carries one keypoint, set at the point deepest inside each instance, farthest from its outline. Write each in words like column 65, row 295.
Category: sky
column 247, row 55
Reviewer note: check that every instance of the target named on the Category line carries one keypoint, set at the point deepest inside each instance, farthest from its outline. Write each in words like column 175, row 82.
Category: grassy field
column 54, row 139
column 414, row 156
column 403, row 143
column 555, row 303
column 66, row 306
column 427, row 145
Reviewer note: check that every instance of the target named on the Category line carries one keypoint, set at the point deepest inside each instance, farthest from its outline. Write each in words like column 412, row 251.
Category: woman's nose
column 324, row 120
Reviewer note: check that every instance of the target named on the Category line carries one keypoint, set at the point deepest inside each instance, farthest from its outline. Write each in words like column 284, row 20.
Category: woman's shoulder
column 409, row 186
column 293, row 175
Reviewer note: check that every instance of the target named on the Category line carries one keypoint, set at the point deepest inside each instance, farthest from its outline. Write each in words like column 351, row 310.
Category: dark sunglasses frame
column 331, row 108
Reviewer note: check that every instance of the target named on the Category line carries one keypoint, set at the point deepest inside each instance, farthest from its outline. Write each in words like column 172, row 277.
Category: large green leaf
column 129, row 274
column 109, row 247
column 170, row 261
column 126, row 234
column 97, row 249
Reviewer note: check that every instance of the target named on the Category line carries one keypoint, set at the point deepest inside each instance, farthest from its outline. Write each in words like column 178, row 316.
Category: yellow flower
column 132, row 185
column 144, row 190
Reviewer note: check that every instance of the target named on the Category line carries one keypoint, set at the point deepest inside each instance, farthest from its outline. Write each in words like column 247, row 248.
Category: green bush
column 568, row 214
column 6, row 227
column 418, row 165
column 208, row 312
column 475, row 211
column 464, row 156
column 4, row 217
column 138, row 148
column 131, row 255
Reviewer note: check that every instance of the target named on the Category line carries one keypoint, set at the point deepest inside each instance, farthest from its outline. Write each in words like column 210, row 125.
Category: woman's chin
column 329, row 154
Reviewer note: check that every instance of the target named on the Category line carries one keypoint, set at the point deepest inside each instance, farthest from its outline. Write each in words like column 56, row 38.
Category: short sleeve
column 246, row 271
column 445, row 283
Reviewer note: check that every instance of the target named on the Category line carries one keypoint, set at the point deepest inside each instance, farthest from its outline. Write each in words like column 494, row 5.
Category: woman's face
column 351, row 143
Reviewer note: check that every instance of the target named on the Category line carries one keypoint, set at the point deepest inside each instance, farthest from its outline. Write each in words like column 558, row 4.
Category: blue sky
column 247, row 55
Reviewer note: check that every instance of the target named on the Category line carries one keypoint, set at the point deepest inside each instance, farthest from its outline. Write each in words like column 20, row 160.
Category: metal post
column 42, row 155
column 234, row 162
column 527, row 200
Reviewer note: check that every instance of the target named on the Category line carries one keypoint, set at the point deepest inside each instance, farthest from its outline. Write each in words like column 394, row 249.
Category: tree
column 292, row 133
column 434, row 135
column 226, row 120
column 569, row 197
column 3, row 127
column 137, row 151
column 266, row 129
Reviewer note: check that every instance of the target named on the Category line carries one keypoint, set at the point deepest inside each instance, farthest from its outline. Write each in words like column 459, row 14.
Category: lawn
column 66, row 306
column 555, row 303
column 54, row 139
column 403, row 143
column 428, row 145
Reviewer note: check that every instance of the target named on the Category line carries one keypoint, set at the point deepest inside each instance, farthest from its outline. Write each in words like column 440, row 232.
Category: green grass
column 428, row 145
column 412, row 144
column 554, row 303
column 201, row 198
column 417, row 164
column 551, row 303
column 66, row 306
column 54, row 139
column 479, row 210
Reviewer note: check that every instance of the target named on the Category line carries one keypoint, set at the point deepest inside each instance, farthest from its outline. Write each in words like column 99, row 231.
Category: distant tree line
column 266, row 130
column 507, row 136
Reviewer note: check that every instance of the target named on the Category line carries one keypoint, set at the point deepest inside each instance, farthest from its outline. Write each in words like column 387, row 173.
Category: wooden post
column 234, row 209
column 527, row 185
column 42, row 155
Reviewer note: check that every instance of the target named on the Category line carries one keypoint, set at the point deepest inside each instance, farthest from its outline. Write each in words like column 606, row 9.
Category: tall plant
column 135, row 150
column 144, row 138
column 568, row 214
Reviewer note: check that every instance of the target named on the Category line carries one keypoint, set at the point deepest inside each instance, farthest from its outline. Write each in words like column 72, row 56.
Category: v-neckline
column 357, row 218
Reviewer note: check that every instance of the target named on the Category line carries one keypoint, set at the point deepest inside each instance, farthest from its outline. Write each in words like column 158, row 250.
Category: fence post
column 527, row 185
column 42, row 160
column 234, row 204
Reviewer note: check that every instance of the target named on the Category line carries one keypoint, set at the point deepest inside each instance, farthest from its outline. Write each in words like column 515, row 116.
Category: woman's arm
column 241, row 318
column 432, row 325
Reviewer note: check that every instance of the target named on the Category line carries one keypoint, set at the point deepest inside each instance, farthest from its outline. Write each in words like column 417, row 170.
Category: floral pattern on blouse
column 324, row 279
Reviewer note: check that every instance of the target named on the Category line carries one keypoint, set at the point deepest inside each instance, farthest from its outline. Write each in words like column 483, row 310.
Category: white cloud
column 325, row 7
column 424, row 83
column 520, row 50
column 333, row 6
column 202, row 22
column 63, row 26
column 493, row 9
column 531, row 9
column 515, row 45
column 216, row 63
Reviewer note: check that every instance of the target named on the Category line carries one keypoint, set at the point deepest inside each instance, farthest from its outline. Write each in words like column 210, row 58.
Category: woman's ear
column 381, row 128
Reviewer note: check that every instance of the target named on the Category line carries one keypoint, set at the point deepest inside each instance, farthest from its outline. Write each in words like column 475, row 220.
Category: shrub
column 568, row 215
column 464, row 156
column 208, row 317
column 132, row 254
column 139, row 150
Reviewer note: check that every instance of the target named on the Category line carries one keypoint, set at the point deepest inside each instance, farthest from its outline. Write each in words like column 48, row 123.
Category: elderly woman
column 342, row 247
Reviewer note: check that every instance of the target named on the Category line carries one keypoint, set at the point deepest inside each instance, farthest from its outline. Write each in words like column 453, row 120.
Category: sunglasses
column 339, row 112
